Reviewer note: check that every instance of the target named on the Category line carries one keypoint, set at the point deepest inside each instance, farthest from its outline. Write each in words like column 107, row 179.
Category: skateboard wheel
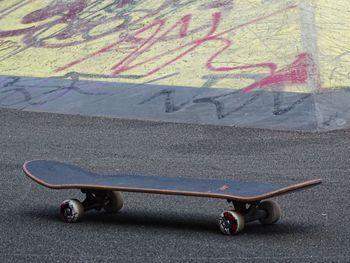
column 116, row 202
column 71, row 210
column 231, row 222
column 273, row 211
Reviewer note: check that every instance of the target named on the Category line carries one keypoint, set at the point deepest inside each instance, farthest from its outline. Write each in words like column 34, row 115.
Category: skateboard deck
column 59, row 175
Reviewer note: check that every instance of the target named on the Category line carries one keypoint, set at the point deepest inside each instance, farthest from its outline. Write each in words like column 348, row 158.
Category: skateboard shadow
column 154, row 219
column 280, row 229
column 144, row 219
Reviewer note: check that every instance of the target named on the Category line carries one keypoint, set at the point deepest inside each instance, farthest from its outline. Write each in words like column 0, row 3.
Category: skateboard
column 103, row 192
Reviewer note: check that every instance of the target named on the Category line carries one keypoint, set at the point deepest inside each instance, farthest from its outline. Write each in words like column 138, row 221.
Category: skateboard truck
column 94, row 200
column 72, row 210
column 233, row 221
column 252, row 213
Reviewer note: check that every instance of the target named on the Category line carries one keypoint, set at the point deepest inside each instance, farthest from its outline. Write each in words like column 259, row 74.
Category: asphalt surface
column 157, row 228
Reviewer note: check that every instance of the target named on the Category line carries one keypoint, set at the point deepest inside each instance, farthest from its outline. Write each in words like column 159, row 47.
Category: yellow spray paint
column 218, row 44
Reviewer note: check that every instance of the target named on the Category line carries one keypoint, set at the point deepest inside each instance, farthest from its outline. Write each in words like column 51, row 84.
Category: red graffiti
column 124, row 64
column 155, row 35
column 296, row 73
column 147, row 38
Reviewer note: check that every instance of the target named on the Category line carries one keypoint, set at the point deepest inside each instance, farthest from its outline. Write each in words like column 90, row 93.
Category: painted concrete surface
column 203, row 50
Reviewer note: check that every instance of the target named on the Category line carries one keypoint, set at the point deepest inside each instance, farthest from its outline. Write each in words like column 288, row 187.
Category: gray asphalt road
column 154, row 228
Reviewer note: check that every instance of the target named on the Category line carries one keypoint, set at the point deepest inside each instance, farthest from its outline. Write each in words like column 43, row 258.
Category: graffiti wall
column 213, row 48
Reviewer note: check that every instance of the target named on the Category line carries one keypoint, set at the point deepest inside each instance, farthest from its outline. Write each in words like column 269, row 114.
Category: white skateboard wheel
column 273, row 211
column 71, row 210
column 116, row 202
column 231, row 222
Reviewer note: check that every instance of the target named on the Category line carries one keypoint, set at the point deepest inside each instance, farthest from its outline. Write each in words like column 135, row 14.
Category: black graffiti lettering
column 22, row 87
column 221, row 112
column 170, row 105
column 22, row 92
column 277, row 103
column 60, row 91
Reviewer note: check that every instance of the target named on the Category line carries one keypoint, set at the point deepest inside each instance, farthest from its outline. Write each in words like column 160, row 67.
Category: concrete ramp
column 269, row 64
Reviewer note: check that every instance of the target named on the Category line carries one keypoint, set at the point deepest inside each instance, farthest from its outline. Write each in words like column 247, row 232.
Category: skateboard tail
column 289, row 189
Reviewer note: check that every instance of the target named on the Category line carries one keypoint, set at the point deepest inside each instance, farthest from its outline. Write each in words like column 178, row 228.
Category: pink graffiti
column 146, row 38
column 295, row 73
column 156, row 33
column 183, row 23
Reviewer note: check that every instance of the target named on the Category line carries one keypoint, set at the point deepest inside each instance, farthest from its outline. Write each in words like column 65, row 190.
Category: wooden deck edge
column 282, row 191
